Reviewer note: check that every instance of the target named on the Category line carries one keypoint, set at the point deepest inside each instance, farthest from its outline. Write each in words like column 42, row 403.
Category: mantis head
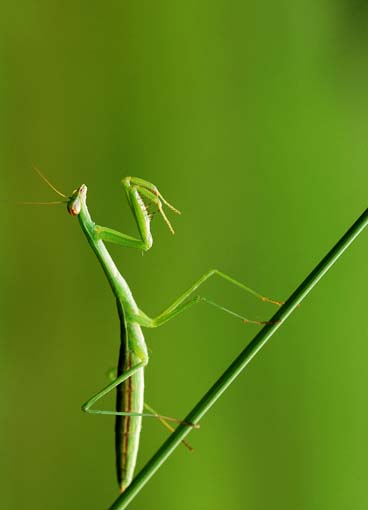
column 77, row 200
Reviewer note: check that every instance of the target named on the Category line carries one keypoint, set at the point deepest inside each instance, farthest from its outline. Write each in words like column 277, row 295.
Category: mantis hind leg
column 167, row 425
column 87, row 406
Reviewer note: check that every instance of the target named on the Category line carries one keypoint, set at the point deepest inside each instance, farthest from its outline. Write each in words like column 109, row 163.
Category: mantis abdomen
column 129, row 399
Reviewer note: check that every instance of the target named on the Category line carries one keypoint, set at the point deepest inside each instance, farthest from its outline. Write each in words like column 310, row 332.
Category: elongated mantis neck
column 77, row 206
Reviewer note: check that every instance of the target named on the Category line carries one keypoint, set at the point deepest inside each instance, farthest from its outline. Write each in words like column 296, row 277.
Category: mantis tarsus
column 133, row 357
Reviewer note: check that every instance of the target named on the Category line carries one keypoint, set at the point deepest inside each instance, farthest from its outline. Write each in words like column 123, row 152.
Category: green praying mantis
column 133, row 356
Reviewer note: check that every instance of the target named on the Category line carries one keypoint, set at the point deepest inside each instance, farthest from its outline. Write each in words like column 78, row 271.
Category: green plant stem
column 232, row 372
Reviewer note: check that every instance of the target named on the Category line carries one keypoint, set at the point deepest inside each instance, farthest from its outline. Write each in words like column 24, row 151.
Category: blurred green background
column 252, row 119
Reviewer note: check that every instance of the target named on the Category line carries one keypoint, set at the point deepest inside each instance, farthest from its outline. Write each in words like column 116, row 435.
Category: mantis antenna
column 48, row 182
column 57, row 202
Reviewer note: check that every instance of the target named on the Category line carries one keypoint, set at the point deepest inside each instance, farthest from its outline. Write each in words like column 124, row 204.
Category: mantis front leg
column 135, row 189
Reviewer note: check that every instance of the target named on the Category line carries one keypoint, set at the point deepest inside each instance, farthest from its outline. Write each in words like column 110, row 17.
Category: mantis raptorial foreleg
column 135, row 188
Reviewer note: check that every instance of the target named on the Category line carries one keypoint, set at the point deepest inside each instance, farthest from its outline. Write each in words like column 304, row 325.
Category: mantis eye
column 74, row 206
column 76, row 201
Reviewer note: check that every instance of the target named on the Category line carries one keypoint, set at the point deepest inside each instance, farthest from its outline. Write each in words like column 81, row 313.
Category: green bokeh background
column 252, row 119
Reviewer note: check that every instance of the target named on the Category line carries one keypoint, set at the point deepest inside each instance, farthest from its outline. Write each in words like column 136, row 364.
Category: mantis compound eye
column 74, row 204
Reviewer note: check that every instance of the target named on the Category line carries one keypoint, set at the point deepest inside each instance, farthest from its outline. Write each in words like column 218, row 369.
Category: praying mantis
column 133, row 356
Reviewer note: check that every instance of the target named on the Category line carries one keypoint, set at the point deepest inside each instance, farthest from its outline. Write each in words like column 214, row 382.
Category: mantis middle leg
column 184, row 302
